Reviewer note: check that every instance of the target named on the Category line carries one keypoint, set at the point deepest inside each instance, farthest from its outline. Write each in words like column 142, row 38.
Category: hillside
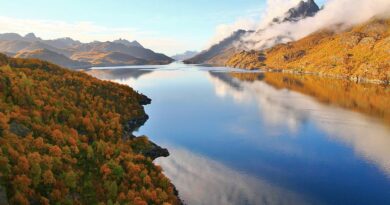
column 12, row 43
column 109, row 58
column 66, row 138
column 219, row 53
column 17, row 46
column 47, row 55
column 359, row 53
column 108, row 47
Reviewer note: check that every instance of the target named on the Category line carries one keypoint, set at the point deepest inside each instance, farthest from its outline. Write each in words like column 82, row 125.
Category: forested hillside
column 65, row 138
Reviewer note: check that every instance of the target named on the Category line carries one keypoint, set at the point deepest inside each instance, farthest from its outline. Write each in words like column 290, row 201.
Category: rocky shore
column 355, row 79
column 153, row 150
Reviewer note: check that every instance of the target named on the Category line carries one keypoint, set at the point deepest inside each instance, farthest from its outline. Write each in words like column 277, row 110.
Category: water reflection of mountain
column 119, row 73
column 369, row 136
column 232, row 81
column 369, row 99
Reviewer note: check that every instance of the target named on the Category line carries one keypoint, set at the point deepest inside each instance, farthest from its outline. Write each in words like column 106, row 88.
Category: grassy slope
column 360, row 52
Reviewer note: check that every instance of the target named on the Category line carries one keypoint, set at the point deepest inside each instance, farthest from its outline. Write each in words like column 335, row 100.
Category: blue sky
column 169, row 26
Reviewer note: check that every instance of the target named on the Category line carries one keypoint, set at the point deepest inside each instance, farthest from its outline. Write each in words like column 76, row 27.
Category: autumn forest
column 64, row 139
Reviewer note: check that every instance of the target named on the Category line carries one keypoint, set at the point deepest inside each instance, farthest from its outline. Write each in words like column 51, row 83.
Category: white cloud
column 253, row 19
column 87, row 32
column 346, row 12
column 249, row 21
column 225, row 30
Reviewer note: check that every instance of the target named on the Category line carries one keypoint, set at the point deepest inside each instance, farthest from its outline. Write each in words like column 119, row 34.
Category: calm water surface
column 265, row 138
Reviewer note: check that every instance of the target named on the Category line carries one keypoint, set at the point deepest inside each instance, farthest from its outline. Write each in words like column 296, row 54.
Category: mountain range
column 219, row 53
column 185, row 55
column 75, row 54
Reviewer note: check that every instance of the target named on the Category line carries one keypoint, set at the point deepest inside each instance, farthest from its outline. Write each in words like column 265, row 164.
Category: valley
column 255, row 102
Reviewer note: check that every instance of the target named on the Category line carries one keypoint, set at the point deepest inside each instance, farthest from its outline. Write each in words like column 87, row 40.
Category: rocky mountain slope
column 225, row 46
column 71, row 53
column 109, row 58
column 48, row 55
column 360, row 53
column 219, row 53
column 302, row 10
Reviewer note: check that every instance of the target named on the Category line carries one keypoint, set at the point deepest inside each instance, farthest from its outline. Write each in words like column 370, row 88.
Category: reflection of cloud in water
column 204, row 181
column 282, row 108
column 266, row 97
column 135, row 78
column 118, row 74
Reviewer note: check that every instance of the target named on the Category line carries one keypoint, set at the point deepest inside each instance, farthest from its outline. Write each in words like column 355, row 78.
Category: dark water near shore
column 265, row 138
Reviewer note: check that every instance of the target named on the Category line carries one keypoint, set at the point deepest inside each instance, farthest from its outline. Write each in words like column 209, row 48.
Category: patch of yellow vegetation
column 362, row 52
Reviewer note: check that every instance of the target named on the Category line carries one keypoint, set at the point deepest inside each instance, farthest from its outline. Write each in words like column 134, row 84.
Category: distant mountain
column 109, row 58
column 47, row 55
column 16, row 37
column 135, row 51
column 185, row 55
column 360, row 53
column 118, row 52
column 31, row 37
column 15, row 46
column 219, row 53
column 128, row 43
column 63, row 43
column 10, row 37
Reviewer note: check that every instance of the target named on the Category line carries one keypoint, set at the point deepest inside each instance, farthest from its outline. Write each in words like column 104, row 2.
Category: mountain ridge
column 130, row 52
column 185, row 55
column 48, row 55
column 219, row 53
column 217, row 49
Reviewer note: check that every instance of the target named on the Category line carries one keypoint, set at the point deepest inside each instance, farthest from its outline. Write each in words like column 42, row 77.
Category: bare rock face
column 217, row 49
column 303, row 10
column 294, row 55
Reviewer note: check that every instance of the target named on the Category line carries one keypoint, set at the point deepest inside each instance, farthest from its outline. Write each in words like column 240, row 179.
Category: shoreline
column 355, row 79
column 155, row 151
